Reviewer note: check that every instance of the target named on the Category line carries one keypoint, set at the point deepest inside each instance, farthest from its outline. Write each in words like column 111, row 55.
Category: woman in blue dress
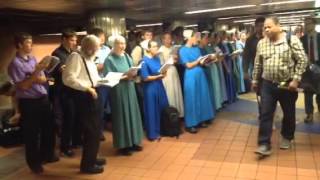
column 228, row 68
column 155, row 97
column 198, row 107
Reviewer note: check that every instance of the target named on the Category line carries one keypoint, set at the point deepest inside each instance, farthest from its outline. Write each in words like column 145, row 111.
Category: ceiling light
column 220, row 9
column 147, row 25
column 296, row 12
column 191, row 25
column 80, row 33
column 245, row 20
column 235, row 17
column 285, row 2
column 296, row 16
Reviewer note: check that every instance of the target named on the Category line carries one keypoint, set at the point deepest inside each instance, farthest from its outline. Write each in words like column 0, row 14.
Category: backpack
column 10, row 134
column 170, row 123
column 310, row 76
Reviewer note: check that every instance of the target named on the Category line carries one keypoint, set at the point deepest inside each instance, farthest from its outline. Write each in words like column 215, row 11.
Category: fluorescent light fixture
column 248, row 23
column 147, row 25
column 235, row 17
column 245, row 20
column 285, row 2
column 297, row 12
column 81, row 33
column 296, row 16
column 191, row 25
column 220, row 9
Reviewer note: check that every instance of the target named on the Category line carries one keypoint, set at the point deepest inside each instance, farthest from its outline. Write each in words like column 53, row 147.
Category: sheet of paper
column 111, row 79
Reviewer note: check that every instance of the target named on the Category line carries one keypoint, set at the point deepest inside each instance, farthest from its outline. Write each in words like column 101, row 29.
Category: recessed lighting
column 220, row 9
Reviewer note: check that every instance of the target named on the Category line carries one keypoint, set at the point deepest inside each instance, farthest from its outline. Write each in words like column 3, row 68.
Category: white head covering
column 187, row 33
column 144, row 44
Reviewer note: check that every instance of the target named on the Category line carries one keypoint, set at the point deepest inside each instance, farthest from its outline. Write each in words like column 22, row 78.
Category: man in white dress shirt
column 81, row 74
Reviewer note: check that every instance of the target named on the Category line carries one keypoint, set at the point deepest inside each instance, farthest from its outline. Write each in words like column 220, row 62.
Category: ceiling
column 75, row 12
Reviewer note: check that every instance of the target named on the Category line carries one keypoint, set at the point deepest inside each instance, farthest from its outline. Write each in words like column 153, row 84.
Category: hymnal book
column 51, row 62
column 236, row 52
column 207, row 59
column 111, row 79
column 133, row 71
column 166, row 65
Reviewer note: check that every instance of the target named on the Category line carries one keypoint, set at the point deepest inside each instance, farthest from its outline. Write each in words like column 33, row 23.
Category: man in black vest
column 311, row 44
column 64, row 108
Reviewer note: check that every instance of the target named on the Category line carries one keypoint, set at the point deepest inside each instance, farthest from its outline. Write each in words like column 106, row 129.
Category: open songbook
column 133, row 71
column 51, row 62
column 166, row 65
column 111, row 79
column 236, row 52
column 207, row 59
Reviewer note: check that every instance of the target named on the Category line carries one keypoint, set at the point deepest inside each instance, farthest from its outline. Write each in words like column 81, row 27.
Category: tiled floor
column 223, row 151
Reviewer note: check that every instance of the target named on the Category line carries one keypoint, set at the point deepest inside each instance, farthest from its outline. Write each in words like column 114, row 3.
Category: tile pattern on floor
column 225, row 150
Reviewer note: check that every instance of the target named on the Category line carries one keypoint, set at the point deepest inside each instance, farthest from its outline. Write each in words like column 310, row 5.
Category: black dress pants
column 308, row 101
column 88, row 110
column 38, row 130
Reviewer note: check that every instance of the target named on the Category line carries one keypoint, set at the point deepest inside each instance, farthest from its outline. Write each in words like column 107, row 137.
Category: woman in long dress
column 240, row 46
column 198, row 107
column 228, row 69
column 154, row 94
column 172, row 81
column 211, row 72
column 126, row 119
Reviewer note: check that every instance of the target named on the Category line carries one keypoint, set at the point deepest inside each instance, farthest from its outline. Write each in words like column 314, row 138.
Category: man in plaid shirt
column 278, row 68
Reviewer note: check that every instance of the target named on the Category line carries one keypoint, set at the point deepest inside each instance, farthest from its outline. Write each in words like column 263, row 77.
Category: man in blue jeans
column 278, row 67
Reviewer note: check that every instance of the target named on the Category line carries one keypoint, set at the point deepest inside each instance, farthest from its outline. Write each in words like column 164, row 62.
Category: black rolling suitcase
column 170, row 123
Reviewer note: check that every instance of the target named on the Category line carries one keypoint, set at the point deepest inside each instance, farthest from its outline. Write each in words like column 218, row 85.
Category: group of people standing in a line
column 79, row 105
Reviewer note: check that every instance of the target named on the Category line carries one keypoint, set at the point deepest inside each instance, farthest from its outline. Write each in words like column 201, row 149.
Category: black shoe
column 102, row 138
column 136, row 148
column 101, row 162
column 37, row 170
column 209, row 122
column 92, row 170
column 125, row 152
column 203, row 125
column 309, row 118
column 264, row 150
column 68, row 153
column 192, row 130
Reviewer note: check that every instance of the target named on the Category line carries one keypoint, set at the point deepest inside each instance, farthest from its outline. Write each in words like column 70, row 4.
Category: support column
column 112, row 22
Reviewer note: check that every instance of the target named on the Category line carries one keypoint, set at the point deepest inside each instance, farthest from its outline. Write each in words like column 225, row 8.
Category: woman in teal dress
column 223, row 89
column 198, row 107
column 126, row 119
column 154, row 94
column 211, row 72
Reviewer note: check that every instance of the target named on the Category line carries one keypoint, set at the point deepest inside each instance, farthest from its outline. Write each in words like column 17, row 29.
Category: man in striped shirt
column 278, row 68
